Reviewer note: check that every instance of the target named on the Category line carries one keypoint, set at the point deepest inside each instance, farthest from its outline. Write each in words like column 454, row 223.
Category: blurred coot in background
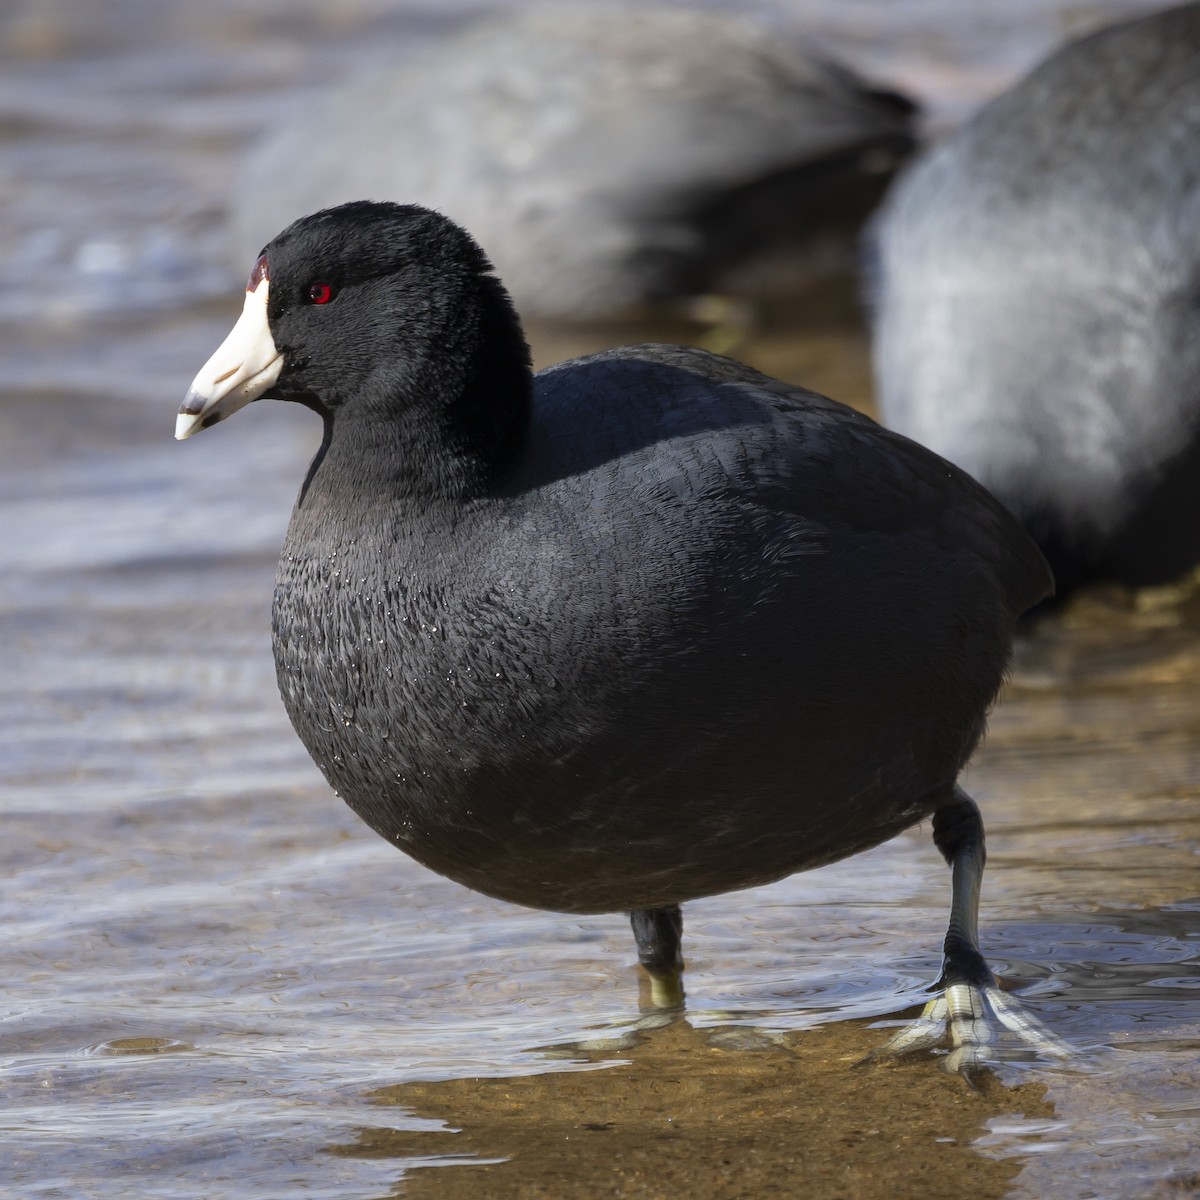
column 1038, row 301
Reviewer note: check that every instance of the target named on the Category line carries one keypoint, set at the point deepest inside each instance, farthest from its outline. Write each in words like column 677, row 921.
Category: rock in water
column 611, row 158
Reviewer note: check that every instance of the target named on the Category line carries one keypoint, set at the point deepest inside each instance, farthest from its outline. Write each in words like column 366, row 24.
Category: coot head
column 369, row 306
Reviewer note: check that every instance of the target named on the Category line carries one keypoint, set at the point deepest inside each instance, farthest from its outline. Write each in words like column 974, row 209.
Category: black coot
column 643, row 627
column 1039, row 284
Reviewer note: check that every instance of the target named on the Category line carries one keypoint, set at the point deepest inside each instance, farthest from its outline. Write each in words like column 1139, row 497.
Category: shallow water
column 220, row 985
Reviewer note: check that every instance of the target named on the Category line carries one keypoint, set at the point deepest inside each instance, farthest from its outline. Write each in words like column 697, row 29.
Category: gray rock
column 606, row 158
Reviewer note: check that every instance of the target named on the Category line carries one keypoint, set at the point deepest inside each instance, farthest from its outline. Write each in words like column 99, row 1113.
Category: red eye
column 320, row 293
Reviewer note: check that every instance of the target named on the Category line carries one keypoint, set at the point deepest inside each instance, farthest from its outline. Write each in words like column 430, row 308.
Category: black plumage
column 646, row 626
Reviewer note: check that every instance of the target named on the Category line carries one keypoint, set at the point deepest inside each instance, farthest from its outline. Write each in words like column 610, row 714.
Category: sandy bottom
column 722, row 1113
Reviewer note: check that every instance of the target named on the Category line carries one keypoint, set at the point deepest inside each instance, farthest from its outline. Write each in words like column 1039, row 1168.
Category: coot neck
column 435, row 429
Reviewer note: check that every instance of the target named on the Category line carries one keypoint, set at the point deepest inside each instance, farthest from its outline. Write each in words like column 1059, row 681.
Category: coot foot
column 658, row 932
column 970, row 1000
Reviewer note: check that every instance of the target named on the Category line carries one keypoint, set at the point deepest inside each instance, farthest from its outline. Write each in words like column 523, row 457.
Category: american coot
column 1039, row 275
column 608, row 157
column 643, row 627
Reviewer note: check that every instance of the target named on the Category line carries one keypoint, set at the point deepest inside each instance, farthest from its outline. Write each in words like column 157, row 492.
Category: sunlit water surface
column 210, row 966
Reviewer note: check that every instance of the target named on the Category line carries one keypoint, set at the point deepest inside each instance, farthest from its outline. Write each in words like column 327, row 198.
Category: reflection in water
column 212, row 969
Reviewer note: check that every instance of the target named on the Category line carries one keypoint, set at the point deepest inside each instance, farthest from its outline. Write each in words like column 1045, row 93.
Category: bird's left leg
column 969, row 999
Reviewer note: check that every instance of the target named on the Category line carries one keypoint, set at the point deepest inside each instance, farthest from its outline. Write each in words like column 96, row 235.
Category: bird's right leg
column 659, row 932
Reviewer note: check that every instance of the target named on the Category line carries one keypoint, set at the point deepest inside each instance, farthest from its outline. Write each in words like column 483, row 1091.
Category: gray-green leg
column 658, row 932
column 969, row 999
